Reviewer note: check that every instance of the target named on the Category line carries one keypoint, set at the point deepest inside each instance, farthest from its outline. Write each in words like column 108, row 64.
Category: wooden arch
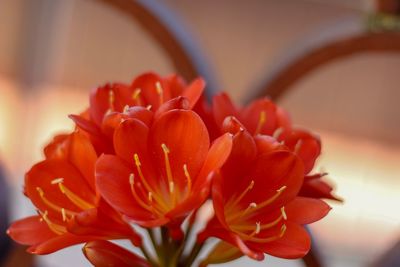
column 276, row 85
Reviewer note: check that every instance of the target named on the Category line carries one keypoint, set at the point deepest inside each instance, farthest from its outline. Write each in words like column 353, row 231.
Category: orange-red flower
column 70, row 210
column 147, row 92
column 256, row 204
column 263, row 118
column 161, row 171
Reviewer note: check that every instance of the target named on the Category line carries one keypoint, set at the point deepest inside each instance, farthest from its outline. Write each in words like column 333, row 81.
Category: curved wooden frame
column 279, row 84
column 166, row 30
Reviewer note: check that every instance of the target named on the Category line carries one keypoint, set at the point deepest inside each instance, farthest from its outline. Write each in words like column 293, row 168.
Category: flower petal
column 44, row 178
column 112, row 180
column 223, row 107
column 185, row 136
column 130, row 138
column 30, row 231
column 83, row 156
column 193, row 91
column 103, row 253
column 304, row 210
column 294, row 244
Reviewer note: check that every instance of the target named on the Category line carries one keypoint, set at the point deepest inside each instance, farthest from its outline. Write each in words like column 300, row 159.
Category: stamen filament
column 248, row 227
column 298, row 145
column 277, row 133
column 52, row 205
column 134, row 194
column 263, row 240
column 56, row 228
column 188, row 178
column 243, row 194
column 168, row 168
column 136, row 96
column 146, row 185
column 283, row 213
column 111, row 99
column 160, row 92
column 261, row 121
column 78, row 201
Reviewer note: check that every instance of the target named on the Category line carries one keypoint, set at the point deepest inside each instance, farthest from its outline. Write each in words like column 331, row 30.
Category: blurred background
column 52, row 52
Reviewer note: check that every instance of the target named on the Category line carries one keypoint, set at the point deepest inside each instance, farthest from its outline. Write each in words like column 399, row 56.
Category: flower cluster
column 150, row 154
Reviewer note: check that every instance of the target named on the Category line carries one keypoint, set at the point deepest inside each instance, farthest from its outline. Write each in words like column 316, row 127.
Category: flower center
column 151, row 198
column 74, row 198
column 240, row 220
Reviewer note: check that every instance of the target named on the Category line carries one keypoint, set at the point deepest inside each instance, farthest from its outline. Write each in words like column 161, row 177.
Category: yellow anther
column 168, row 168
column 150, row 197
column 277, row 133
column 137, row 160
column 188, row 178
column 64, row 215
column 298, row 145
column 165, row 148
column 111, row 99
column 261, row 121
column 40, row 191
column 283, row 213
column 57, row 181
column 258, row 228
column 280, row 190
column 136, row 96
column 51, row 204
column 126, row 109
column 136, row 93
column 160, row 92
column 131, row 179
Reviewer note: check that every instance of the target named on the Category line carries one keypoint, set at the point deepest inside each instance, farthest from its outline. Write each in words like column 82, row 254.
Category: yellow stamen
column 111, row 99
column 52, row 205
column 272, row 199
column 146, row 185
column 253, row 206
column 298, row 145
column 74, row 198
column 136, row 96
column 261, row 121
column 188, row 178
column 284, row 213
column 57, row 180
column 263, row 240
column 168, row 168
column 64, row 215
column 243, row 194
column 160, row 92
column 277, row 133
column 56, row 228
column 262, row 226
column 134, row 194
column 150, row 197
column 126, row 109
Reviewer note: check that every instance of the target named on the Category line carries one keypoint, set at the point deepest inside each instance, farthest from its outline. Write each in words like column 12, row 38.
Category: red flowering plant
column 146, row 156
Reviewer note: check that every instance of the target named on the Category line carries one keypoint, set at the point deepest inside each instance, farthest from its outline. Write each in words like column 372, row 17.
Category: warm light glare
column 367, row 175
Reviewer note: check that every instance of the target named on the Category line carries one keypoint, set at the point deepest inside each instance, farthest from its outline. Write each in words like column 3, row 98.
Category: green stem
column 193, row 254
column 156, row 246
column 165, row 245
column 148, row 257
